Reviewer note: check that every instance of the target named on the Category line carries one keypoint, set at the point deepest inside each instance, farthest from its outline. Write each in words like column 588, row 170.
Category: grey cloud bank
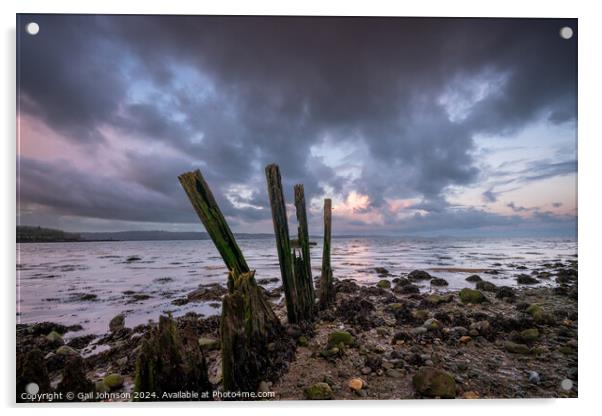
column 385, row 107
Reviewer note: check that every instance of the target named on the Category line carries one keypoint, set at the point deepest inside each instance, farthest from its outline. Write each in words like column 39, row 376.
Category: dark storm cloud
column 235, row 93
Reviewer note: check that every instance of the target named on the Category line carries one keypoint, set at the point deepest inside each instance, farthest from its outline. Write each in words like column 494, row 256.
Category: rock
column 437, row 281
column 133, row 258
column 209, row 344
column 435, row 299
column 432, row 324
column 515, row 348
column 356, row 384
column 486, row 286
column 525, row 279
column 474, row 278
column 336, row 338
column 539, row 315
column 393, row 373
column 382, row 271
column 419, row 275
column 534, row 377
column 67, row 351
column 373, row 362
column 263, row 387
column 472, row 296
column 432, row 382
column 529, row 335
column 406, row 289
column 55, row 338
column 117, row 323
column 471, row 395
column 384, row 284
column 465, row 339
column 113, row 381
column 319, row 391
column 419, row 330
column 505, row 292
column 482, row 328
column 101, row 387
column 420, row 314
column 213, row 291
column 81, row 342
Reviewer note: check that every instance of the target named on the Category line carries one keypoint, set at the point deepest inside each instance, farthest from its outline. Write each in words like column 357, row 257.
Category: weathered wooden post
column 248, row 323
column 206, row 207
column 326, row 284
column 283, row 244
column 303, row 273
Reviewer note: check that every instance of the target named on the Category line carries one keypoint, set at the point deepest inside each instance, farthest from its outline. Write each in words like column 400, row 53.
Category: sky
column 413, row 126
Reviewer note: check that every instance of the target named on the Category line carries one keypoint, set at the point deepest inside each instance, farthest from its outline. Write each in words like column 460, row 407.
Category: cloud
column 400, row 99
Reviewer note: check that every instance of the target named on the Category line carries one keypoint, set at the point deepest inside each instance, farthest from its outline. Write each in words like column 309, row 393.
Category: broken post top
column 206, row 207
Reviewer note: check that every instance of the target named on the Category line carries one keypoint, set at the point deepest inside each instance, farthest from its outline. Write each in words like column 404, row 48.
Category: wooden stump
column 326, row 283
column 254, row 343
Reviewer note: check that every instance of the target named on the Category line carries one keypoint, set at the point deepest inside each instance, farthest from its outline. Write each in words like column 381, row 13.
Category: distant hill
column 158, row 236
column 27, row 234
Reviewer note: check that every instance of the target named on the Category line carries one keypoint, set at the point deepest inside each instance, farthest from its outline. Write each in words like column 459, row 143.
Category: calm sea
column 52, row 277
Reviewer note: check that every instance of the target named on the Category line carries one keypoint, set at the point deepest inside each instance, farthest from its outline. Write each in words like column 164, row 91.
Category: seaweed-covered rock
column 525, row 279
column 437, row 281
column 338, row 338
column 486, row 286
column 54, row 338
column 529, row 335
column 67, row 350
column 433, row 382
column 416, row 275
column 117, row 323
column 318, row 391
column 516, row 348
column 381, row 271
column 406, row 289
column 505, row 292
column 384, row 284
column 358, row 311
column 113, row 381
column 432, row 324
column 436, row 299
column 472, row 296
column 346, row 286
column 474, row 278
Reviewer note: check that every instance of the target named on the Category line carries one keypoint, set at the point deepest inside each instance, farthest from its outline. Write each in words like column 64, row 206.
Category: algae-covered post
column 248, row 323
column 206, row 207
column 283, row 244
column 326, row 284
column 303, row 275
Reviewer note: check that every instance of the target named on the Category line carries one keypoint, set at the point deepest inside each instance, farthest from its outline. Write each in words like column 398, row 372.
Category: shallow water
column 53, row 277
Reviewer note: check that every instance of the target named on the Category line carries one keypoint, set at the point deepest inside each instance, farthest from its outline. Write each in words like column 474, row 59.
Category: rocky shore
column 385, row 341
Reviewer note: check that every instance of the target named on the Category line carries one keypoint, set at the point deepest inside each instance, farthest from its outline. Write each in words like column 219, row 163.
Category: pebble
column 356, row 384
column 534, row 377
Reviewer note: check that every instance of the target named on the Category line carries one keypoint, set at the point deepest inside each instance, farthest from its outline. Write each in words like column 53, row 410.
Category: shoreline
column 502, row 343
